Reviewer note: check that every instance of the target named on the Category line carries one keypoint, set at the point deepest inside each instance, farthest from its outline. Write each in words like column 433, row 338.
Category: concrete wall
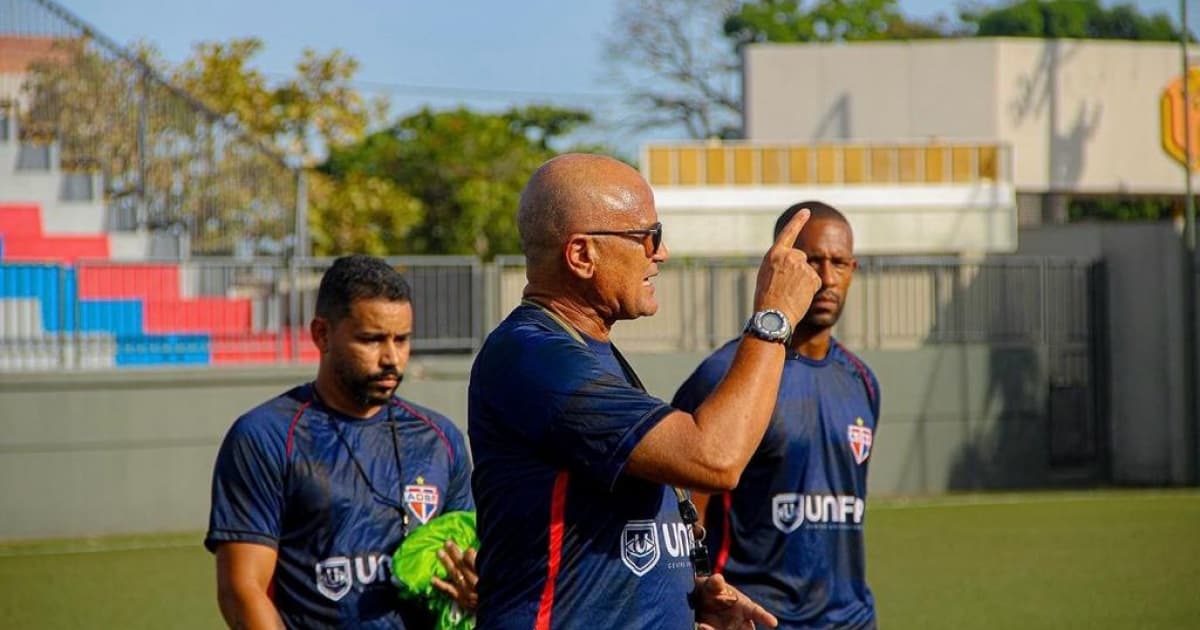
column 892, row 219
column 132, row 451
column 1152, row 435
column 871, row 91
column 1082, row 116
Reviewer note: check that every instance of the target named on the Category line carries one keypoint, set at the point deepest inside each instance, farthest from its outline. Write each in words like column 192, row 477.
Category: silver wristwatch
column 769, row 325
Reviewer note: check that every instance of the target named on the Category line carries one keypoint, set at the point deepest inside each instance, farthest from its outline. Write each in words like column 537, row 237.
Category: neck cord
column 379, row 496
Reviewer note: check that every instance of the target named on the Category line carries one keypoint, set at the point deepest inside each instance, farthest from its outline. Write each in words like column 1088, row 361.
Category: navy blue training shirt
column 791, row 534
column 326, row 490
column 567, row 540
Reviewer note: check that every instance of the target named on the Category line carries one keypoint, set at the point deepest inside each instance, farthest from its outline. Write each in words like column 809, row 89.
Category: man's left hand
column 719, row 606
column 462, row 578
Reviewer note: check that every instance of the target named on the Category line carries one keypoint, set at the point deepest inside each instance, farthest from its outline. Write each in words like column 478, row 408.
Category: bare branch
column 677, row 68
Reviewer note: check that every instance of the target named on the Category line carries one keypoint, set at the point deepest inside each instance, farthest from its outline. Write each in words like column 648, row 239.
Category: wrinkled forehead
column 827, row 235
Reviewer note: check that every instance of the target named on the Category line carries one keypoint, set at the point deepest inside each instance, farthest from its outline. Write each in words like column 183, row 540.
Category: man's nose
column 662, row 254
column 390, row 355
column 826, row 272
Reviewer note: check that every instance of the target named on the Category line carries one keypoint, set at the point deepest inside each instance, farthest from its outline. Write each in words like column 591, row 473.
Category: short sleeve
column 598, row 425
column 877, row 397
column 533, row 389
column 247, row 486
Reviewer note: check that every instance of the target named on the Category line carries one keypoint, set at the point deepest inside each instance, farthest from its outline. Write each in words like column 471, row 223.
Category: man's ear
column 320, row 330
column 581, row 256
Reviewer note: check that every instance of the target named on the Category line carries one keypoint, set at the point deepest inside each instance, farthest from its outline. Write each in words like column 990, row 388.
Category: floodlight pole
column 1190, row 327
column 1189, row 201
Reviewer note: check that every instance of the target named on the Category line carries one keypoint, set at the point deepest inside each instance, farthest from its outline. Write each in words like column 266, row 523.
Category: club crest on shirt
column 333, row 577
column 422, row 500
column 860, row 440
column 639, row 546
column 787, row 511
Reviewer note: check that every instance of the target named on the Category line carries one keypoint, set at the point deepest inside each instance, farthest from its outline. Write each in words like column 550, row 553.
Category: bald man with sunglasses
column 581, row 477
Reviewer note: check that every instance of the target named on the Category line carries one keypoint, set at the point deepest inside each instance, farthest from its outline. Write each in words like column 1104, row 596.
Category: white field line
column 1023, row 499
column 70, row 549
column 884, row 504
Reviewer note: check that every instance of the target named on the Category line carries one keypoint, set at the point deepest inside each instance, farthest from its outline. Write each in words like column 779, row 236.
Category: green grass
column 1081, row 560
column 161, row 582
column 1094, row 560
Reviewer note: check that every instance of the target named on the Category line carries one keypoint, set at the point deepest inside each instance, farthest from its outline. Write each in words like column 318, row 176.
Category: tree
column 825, row 21
column 676, row 73
column 302, row 116
column 361, row 213
column 164, row 161
column 679, row 76
column 465, row 168
column 1070, row 19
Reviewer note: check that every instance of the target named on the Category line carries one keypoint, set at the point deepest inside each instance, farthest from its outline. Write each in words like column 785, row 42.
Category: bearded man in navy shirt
column 791, row 534
column 314, row 490
column 577, row 467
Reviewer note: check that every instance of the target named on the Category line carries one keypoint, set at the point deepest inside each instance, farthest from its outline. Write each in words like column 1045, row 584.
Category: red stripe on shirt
column 292, row 426
column 726, row 535
column 558, row 508
column 445, row 440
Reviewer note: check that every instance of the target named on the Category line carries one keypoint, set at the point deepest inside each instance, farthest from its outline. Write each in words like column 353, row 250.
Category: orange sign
column 1173, row 112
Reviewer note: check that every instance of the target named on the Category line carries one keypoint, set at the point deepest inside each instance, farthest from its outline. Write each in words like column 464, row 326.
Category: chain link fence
column 119, row 134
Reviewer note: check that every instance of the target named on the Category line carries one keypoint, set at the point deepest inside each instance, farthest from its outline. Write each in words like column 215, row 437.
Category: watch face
column 771, row 322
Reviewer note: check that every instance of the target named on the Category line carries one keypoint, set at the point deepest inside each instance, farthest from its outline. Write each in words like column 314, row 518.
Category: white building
column 930, row 146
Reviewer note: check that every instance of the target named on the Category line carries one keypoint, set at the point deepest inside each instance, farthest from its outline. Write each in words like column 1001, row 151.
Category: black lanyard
column 379, row 496
column 687, row 509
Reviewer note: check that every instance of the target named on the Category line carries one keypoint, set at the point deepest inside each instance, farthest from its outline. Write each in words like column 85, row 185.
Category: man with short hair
column 791, row 534
column 314, row 490
column 577, row 467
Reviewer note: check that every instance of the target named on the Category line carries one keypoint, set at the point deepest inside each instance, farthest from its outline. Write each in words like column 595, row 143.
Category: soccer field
column 1089, row 560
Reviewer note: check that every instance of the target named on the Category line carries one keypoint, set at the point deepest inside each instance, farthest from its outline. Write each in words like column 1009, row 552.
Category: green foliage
column 314, row 109
column 434, row 182
column 360, row 213
column 157, row 151
column 1070, row 19
column 825, row 21
column 865, row 20
column 1122, row 209
column 465, row 168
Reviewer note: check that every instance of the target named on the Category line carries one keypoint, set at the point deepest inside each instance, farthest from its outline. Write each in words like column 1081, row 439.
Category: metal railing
column 80, row 105
column 213, row 312
column 893, row 302
column 103, row 314
column 749, row 163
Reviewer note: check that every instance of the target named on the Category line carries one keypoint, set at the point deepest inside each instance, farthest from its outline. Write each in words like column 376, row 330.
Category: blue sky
column 502, row 53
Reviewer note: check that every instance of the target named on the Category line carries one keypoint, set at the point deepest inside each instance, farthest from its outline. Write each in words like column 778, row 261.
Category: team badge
column 787, row 511
column 422, row 500
column 860, row 440
column 639, row 546
column 333, row 577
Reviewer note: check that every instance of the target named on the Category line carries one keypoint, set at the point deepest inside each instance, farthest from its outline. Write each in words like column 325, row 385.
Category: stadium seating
column 55, row 288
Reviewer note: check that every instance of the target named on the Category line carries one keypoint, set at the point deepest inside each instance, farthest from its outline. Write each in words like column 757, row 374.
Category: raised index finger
column 790, row 232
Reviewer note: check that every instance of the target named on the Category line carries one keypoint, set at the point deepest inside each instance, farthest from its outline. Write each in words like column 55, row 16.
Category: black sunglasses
column 655, row 232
